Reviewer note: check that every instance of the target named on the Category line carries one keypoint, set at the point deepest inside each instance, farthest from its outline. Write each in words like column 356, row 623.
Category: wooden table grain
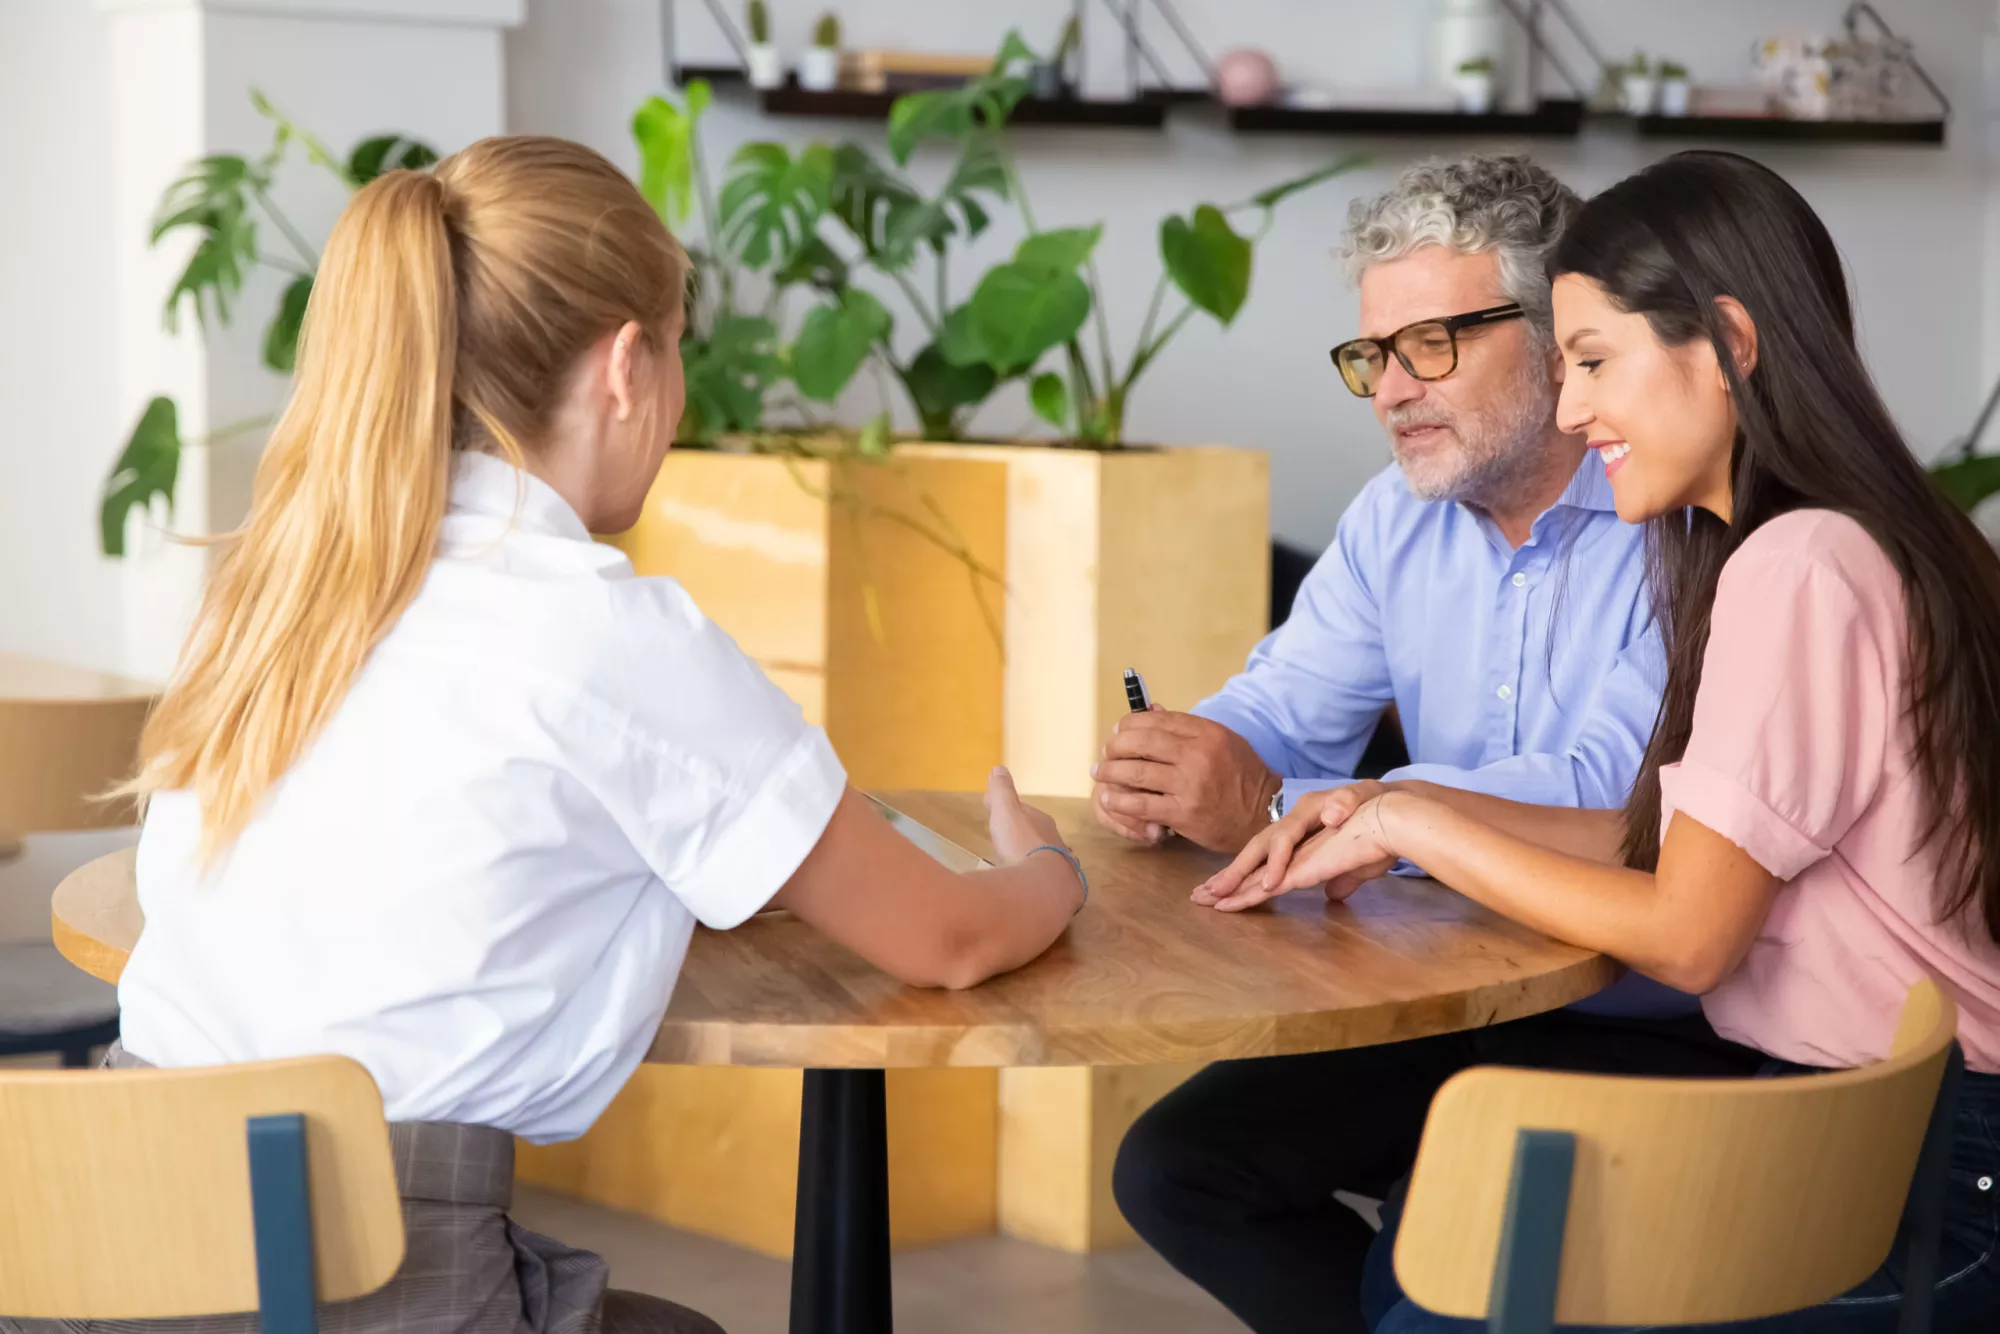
column 1143, row 976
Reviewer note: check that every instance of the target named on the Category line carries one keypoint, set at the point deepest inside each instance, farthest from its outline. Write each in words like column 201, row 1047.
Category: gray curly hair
column 1505, row 203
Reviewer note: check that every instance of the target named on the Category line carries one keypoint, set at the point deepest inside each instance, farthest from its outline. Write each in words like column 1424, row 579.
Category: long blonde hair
column 448, row 311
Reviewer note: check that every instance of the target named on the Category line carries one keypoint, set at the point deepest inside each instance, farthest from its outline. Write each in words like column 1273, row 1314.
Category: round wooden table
column 1143, row 976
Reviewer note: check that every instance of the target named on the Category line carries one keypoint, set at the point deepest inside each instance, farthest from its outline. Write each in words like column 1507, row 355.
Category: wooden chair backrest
column 127, row 1192
column 1692, row 1200
column 66, row 735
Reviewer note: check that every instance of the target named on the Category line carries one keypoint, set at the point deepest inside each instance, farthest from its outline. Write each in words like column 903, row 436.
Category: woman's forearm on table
column 1592, row 835
column 1608, row 908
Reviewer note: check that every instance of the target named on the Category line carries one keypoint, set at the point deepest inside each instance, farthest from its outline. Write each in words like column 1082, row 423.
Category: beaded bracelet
column 1074, row 865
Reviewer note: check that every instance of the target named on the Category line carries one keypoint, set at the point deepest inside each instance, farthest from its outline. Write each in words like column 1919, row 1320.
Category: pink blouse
column 1800, row 756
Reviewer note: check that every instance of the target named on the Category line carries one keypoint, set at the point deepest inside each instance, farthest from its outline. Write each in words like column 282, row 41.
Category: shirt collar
column 1589, row 489
column 485, row 484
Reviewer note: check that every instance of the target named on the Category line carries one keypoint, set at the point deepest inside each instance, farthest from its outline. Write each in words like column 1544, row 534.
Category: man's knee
column 1165, row 1166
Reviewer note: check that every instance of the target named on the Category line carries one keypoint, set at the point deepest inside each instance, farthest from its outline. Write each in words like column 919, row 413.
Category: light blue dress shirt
column 1533, row 674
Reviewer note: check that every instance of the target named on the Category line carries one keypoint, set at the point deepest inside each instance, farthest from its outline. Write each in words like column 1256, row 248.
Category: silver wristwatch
column 1277, row 806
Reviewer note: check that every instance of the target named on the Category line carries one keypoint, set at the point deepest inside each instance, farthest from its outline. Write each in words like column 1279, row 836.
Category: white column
column 181, row 75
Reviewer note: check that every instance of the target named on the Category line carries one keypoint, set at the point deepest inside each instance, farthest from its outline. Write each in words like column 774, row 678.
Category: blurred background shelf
column 1143, row 114
column 1552, row 119
column 1779, row 129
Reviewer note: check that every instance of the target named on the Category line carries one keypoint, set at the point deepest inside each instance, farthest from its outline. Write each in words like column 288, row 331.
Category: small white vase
column 1674, row 97
column 1639, row 92
column 765, row 67
column 1475, row 93
column 819, row 70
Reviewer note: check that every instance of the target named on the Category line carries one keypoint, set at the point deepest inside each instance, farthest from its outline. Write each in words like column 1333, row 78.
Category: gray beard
column 1509, row 451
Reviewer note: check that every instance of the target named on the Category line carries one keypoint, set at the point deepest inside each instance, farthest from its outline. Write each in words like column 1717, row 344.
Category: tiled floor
column 987, row 1285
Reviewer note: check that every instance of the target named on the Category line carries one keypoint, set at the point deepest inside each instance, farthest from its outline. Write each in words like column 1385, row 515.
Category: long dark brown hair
column 1813, row 433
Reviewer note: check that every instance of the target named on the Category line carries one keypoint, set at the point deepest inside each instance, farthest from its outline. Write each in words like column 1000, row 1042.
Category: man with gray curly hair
column 1484, row 590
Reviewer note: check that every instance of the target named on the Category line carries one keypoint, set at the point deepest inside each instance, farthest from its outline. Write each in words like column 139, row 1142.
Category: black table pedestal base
column 840, row 1242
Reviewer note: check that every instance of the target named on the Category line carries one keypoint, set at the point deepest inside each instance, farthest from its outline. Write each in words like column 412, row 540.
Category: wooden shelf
column 1781, row 129
column 1551, row 119
column 792, row 100
column 713, row 73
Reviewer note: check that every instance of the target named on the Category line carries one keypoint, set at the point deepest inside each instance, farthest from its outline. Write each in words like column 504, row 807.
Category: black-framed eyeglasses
column 1428, row 349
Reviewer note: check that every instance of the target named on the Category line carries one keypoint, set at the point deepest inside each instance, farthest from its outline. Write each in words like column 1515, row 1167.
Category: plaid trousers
column 467, row 1267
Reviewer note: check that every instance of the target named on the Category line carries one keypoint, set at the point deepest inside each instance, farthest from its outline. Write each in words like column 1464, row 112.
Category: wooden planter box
column 857, row 587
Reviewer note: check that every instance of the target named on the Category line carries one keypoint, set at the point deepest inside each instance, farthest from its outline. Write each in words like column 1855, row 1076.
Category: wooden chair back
column 128, row 1193
column 1687, row 1201
column 66, row 735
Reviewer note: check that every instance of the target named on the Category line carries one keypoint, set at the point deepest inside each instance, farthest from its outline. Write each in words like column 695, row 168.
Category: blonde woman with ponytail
column 441, row 785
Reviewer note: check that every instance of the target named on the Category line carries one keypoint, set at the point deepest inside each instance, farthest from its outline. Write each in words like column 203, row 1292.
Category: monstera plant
column 824, row 216
column 224, row 200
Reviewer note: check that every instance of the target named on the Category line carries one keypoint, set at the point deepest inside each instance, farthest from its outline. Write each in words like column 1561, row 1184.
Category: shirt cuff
column 770, row 836
column 1739, row 815
column 1296, row 788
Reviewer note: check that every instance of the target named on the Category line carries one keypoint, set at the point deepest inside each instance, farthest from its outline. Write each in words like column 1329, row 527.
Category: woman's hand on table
column 1329, row 837
column 1017, row 827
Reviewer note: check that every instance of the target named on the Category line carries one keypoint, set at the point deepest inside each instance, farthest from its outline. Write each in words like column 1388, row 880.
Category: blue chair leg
column 1926, row 1207
column 1525, row 1273
column 281, row 1211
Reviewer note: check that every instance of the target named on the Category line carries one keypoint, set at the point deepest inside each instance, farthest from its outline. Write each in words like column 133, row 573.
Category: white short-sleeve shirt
column 481, row 878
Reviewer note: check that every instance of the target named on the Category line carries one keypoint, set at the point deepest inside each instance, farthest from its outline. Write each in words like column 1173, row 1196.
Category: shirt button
column 1520, row 580
column 1986, row 1183
column 1506, row 692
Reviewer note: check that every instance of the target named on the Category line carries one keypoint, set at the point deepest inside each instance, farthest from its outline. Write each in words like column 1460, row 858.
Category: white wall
column 57, row 598
column 1913, row 222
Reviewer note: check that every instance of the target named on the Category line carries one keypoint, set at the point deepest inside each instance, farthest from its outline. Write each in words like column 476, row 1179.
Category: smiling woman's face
column 1660, row 417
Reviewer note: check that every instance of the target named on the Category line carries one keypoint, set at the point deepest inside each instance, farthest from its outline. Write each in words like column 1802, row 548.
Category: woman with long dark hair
column 1817, row 823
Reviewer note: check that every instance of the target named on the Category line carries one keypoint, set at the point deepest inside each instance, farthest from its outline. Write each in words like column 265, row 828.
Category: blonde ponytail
column 446, row 312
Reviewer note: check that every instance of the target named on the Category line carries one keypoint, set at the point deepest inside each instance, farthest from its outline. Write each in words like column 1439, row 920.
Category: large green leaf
column 665, row 135
column 815, row 264
column 916, row 118
column 147, row 468
column 834, row 340
column 959, row 342
column 213, row 200
column 772, row 202
column 1208, row 261
column 1969, row 481
column 728, row 373
column 1019, row 312
column 281, row 339
column 941, row 387
column 386, row 153
column 956, row 113
column 1062, row 251
column 1278, row 193
column 1050, row 398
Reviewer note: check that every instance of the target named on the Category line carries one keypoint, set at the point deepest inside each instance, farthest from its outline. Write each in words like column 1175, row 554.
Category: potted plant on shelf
column 1674, row 89
column 1639, row 87
column 1473, row 83
column 819, row 69
column 763, row 66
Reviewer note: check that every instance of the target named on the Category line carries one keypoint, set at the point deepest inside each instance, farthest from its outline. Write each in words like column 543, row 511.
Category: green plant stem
column 291, row 233
column 1142, row 359
column 916, row 300
column 1110, row 367
column 224, row 434
column 1014, row 188
column 1152, row 314
column 718, row 250
column 943, row 300
column 288, row 266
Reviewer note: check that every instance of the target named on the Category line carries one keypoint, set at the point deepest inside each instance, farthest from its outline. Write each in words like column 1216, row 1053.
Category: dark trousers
column 1231, row 1176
